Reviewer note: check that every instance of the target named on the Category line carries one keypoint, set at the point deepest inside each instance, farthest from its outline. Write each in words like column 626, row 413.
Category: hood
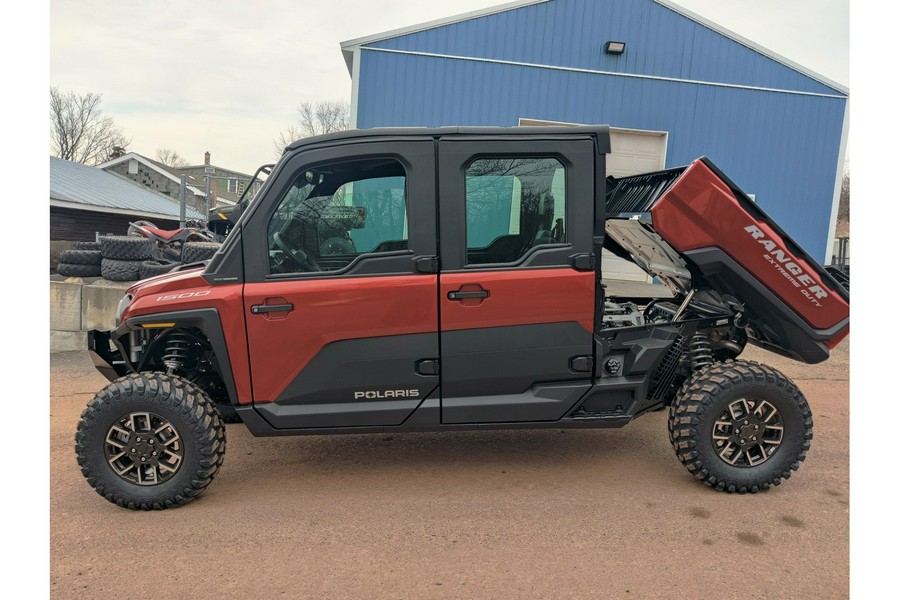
column 188, row 278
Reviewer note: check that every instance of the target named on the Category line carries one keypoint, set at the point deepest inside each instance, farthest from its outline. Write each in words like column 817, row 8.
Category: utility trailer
column 432, row 279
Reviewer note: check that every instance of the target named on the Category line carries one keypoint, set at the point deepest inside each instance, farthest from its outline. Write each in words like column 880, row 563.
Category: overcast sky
column 227, row 75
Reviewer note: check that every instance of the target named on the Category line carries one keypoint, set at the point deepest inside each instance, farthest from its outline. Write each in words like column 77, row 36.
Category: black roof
column 601, row 132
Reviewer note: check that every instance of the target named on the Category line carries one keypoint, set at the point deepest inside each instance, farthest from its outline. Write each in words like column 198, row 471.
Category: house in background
column 86, row 201
column 226, row 186
column 158, row 177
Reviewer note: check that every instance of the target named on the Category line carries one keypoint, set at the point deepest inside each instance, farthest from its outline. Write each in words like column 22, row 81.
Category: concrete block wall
column 78, row 305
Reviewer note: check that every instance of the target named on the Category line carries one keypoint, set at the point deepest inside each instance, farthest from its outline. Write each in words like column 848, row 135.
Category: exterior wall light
column 615, row 47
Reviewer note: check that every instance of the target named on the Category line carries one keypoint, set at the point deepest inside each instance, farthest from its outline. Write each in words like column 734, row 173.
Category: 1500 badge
column 182, row 296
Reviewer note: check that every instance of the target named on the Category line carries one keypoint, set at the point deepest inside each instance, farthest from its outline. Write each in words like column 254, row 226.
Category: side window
column 336, row 212
column 513, row 204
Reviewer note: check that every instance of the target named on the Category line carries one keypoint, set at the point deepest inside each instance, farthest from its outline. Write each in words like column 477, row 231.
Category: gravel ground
column 484, row 514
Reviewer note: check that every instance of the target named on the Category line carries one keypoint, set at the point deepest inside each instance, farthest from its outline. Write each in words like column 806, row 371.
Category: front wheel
column 150, row 441
column 740, row 426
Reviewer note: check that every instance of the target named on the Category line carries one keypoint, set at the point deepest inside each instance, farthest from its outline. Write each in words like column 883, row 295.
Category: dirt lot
column 507, row 514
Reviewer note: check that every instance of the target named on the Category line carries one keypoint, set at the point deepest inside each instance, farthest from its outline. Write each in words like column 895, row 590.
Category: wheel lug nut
column 755, row 427
column 139, row 439
column 143, row 459
column 745, row 423
column 753, row 438
column 133, row 450
column 743, row 441
column 154, row 453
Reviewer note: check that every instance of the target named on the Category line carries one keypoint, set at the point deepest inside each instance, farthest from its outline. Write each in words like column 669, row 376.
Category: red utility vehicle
column 393, row 280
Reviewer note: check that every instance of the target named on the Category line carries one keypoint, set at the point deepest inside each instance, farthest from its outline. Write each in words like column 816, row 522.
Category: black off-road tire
column 70, row 270
column 121, row 270
column 86, row 246
column 123, row 247
column 171, row 253
column 151, row 268
column 80, row 257
column 193, row 252
column 168, row 399
column 704, row 401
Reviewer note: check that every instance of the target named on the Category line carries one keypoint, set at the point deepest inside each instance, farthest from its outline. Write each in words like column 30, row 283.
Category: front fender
column 114, row 363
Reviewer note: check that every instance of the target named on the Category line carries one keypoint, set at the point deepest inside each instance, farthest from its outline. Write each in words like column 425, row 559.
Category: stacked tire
column 83, row 260
column 152, row 268
column 193, row 252
column 122, row 257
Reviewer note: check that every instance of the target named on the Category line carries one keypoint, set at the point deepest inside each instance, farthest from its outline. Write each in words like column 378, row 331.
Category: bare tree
column 844, row 206
column 315, row 119
column 78, row 130
column 171, row 158
column 843, row 217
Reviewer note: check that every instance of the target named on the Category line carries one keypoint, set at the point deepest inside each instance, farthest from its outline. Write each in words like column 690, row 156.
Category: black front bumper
column 107, row 360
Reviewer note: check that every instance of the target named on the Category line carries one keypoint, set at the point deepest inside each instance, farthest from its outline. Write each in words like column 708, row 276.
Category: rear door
column 340, row 293
column 516, row 314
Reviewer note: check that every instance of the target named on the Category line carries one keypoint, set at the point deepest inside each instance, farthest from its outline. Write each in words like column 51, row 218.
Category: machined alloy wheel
column 740, row 426
column 748, row 432
column 144, row 448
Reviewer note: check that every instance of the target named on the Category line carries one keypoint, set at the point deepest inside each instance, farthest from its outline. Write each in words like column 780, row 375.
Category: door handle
column 464, row 295
column 261, row 309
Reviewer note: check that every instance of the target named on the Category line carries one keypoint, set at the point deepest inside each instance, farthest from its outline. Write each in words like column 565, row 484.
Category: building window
column 233, row 186
column 513, row 204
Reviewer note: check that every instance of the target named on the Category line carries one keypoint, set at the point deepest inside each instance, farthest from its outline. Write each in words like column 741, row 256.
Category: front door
column 339, row 301
column 516, row 315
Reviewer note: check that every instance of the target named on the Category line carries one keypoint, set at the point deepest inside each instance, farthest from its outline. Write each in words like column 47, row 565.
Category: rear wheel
column 150, row 441
column 740, row 426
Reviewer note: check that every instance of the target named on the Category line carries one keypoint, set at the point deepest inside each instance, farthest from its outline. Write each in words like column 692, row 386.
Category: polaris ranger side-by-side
column 393, row 280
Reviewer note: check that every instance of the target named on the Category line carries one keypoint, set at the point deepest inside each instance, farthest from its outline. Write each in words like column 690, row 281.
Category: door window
column 333, row 214
column 513, row 204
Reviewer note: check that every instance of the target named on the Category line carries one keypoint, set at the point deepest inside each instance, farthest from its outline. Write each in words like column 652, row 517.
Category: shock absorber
column 700, row 351
column 178, row 345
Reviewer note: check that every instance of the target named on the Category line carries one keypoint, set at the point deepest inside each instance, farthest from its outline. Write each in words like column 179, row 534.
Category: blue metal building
column 777, row 129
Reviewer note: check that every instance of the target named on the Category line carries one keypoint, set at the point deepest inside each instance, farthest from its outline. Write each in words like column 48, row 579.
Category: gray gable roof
column 349, row 47
column 73, row 184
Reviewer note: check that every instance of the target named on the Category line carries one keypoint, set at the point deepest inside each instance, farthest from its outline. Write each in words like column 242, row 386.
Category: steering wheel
column 303, row 259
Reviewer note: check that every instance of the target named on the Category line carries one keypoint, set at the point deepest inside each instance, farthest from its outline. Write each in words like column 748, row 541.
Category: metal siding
column 72, row 225
column 573, row 33
column 74, row 182
column 781, row 147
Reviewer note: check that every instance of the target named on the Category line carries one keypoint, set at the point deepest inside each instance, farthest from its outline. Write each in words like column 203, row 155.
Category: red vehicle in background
column 168, row 243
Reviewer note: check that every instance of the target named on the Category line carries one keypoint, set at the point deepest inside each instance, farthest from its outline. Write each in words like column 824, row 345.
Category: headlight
column 123, row 304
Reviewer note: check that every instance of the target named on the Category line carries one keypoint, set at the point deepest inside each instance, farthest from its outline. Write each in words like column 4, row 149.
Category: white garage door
column 633, row 151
